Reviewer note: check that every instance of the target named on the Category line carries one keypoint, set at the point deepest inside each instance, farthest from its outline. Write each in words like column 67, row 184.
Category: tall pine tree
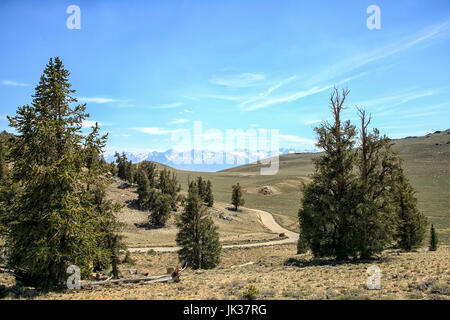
column 411, row 224
column 328, row 214
column 51, row 221
column 197, row 235
column 209, row 197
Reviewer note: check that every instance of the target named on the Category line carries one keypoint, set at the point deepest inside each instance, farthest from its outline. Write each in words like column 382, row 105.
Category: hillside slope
column 426, row 162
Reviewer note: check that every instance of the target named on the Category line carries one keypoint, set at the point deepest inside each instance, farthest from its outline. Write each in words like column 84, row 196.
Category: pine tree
column 160, row 210
column 51, row 220
column 197, row 235
column 150, row 170
column 328, row 213
column 378, row 166
column 168, row 184
column 433, row 239
column 410, row 222
column 121, row 160
column 201, row 188
column 209, row 197
column 93, row 146
column 143, row 189
column 109, row 241
column 236, row 197
column 107, row 227
column 2, row 162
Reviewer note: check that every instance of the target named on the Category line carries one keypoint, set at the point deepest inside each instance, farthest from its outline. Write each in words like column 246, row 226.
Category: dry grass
column 278, row 273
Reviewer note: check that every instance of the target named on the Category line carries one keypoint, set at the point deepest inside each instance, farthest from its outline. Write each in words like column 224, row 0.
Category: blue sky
column 150, row 68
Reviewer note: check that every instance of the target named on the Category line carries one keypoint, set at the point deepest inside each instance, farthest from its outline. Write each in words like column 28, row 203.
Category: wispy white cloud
column 223, row 97
column 293, row 96
column 3, row 117
column 266, row 93
column 425, row 37
column 14, row 83
column 178, row 121
column 99, row 100
column 246, row 79
column 386, row 102
column 169, row 105
column 155, row 130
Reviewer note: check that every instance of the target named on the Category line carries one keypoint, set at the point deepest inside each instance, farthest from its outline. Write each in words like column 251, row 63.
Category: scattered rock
column 124, row 185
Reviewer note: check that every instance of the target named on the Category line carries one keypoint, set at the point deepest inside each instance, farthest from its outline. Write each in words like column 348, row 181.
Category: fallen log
column 242, row 265
column 161, row 278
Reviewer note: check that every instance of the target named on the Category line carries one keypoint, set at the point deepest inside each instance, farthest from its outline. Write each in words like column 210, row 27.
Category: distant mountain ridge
column 175, row 160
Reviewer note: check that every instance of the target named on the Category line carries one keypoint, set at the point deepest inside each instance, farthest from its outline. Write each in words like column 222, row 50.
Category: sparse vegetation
column 433, row 239
column 250, row 293
column 236, row 197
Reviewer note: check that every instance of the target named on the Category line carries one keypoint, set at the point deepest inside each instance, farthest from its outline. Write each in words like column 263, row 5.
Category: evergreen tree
column 197, row 235
column 93, row 146
column 168, row 184
column 2, row 162
column 410, row 222
column 378, row 167
column 201, row 188
column 160, row 210
column 236, row 197
column 150, row 170
column 109, row 241
column 433, row 239
column 121, row 160
column 143, row 189
column 50, row 219
column 209, row 197
column 328, row 213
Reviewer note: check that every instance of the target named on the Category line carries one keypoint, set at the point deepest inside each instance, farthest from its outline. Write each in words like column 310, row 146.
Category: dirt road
column 266, row 219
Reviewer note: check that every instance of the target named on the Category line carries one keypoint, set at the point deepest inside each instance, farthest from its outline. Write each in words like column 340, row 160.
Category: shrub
column 250, row 293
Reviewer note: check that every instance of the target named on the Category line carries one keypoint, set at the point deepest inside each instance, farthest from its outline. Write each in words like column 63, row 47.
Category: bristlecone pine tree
column 143, row 189
column 160, row 209
column 209, row 197
column 433, row 239
column 410, row 222
column 197, row 236
column 168, row 184
column 51, row 220
column 109, row 242
column 236, row 197
column 150, row 170
column 378, row 168
column 328, row 211
column 359, row 200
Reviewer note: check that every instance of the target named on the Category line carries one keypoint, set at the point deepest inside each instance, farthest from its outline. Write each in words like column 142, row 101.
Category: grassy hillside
column 426, row 162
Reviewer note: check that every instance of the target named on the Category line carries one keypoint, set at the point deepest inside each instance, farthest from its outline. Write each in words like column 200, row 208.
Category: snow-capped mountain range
column 202, row 161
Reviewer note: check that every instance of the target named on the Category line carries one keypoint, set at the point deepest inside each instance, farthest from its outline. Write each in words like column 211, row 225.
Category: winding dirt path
column 266, row 219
